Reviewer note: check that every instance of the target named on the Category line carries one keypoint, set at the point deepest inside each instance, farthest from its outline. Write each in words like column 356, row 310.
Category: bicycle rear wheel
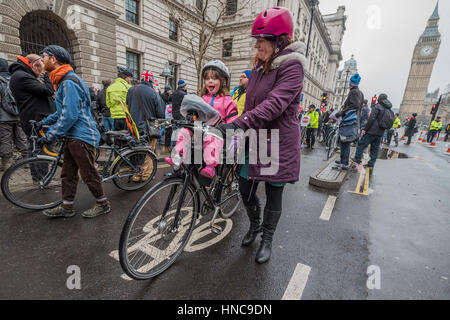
column 132, row 178
column 23, row 184
column 228, row 191
column 150, row 241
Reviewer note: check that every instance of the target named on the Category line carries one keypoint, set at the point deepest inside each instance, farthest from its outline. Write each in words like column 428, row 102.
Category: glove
column 228, row 126
column 42, row 142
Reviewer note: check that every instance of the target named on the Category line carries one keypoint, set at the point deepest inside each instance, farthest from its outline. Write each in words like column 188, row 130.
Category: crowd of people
column 46, row 89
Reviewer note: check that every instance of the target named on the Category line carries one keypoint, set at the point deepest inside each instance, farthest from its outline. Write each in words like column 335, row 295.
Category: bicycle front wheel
column 33, row 184
column 332, row 147
column 135, row 173
column 154, row 235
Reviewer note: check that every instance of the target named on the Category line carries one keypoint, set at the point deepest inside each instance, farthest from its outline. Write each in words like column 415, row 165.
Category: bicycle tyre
column 135, row 156
column 226, row 214
column 143, row 272
column 16, row 185
column 332, row 147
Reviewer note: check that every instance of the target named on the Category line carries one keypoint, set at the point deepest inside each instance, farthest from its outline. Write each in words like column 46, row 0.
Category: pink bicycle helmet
column 273, row 22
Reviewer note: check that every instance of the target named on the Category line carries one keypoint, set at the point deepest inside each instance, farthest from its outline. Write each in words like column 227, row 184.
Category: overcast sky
column 384, row 50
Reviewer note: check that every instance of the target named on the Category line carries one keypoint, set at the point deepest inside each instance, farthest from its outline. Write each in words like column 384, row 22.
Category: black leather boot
column 254, row 214
column 270, row 223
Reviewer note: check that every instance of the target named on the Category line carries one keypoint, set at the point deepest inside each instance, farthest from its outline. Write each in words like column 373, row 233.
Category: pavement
column 389, row 244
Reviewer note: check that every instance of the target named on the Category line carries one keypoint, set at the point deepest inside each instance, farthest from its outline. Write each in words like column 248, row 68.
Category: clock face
column 426, row 51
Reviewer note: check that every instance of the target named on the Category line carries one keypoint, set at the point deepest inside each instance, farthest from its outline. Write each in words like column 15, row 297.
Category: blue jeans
column 108, row 122
column 345, row 153
column 374, row 142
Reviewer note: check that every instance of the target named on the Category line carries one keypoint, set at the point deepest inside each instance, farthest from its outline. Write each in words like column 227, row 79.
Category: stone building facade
column 154, row 34
column 342, row 82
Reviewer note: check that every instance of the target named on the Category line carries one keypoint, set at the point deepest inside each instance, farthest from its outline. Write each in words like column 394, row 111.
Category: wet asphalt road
column 401, row 227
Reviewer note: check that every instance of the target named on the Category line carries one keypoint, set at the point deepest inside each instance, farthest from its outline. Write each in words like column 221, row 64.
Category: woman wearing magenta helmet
column 273, row 97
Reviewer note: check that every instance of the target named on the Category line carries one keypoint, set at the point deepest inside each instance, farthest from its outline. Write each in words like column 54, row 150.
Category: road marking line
column 328, row 209
column 163, row 166
column 366, row 185
column 297, row 284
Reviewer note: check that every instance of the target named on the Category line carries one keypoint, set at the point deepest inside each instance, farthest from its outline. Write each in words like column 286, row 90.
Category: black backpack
column 8, row 103
column 387, row 119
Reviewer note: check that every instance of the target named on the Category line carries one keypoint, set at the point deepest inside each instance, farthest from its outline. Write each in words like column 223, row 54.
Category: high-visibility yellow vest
column 436, row 125
column 397, row 123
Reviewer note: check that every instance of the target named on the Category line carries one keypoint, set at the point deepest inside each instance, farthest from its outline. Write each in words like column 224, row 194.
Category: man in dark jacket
column 34, row 96
column 177, row 98
column 410, row 128
column 167, row 95
column 33, row 92
column 372, row 133
column 365, row 111
column 145, row 103
column 353, row 103
column 11, row 134
column 103, row 109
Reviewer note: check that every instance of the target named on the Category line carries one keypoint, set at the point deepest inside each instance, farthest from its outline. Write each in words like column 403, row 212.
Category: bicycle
column 332, row 141
column 161, row 223
column 35, row 183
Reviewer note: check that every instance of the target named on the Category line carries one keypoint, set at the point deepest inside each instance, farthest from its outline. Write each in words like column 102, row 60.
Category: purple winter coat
column 272, row 103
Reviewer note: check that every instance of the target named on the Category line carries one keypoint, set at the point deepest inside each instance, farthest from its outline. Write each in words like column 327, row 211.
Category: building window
column 133, row 63
column 132, row 11
column 227, row 48
column 231, row 7
column 173, row 30
column 173, row 82
column 281, row 3
column 199, row 4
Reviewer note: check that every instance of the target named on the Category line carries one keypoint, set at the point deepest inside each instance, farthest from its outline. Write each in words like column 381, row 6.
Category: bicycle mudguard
column 46, row 157
column 131, row 151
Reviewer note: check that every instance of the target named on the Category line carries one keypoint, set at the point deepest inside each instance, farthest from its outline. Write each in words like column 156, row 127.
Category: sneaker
column 59, row 212
column 338, row 162
column 208, row 172
column 96, row 211
column 355, row 161
column 344, row 168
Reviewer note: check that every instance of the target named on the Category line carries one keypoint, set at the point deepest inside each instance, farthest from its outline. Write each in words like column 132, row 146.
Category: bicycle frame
column 119, row 156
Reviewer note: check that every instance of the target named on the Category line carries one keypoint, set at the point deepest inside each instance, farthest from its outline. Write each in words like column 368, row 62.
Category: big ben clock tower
column 425, row 54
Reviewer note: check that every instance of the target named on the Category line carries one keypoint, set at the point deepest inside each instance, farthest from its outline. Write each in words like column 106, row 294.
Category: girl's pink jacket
column 225, row 105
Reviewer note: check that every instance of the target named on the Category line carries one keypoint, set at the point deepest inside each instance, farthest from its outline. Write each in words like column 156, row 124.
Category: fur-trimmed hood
column 295, row 51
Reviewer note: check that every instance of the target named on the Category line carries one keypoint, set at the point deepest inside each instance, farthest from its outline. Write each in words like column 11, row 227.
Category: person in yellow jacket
column 311, row 129
column 116, row 92
column 395, row 127
column 436, row 125
column 239, row 93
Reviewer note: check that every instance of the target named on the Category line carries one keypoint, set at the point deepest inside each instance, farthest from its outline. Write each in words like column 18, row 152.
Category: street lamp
column 345, row 85
column 167, row 73
column 313, row 3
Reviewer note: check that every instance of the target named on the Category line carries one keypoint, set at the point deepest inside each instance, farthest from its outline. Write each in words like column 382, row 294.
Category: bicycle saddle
column 195, row 104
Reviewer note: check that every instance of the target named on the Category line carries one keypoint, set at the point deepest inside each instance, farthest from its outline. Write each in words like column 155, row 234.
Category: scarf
column 58, row 74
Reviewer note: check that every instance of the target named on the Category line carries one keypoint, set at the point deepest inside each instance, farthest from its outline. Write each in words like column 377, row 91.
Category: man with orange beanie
column 74, row 121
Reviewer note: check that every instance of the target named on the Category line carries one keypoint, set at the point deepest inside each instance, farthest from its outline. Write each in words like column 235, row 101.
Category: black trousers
column 311, row 136
column 274, row 195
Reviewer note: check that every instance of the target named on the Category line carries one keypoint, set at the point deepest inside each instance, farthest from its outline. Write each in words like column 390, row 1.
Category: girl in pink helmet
column 215, row 92
column 273, row 97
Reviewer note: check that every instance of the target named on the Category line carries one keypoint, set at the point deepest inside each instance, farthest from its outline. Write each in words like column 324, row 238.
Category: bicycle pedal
column 217, row 229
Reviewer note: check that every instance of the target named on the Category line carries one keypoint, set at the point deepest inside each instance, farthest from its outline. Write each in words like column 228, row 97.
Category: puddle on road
column 389, row 154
